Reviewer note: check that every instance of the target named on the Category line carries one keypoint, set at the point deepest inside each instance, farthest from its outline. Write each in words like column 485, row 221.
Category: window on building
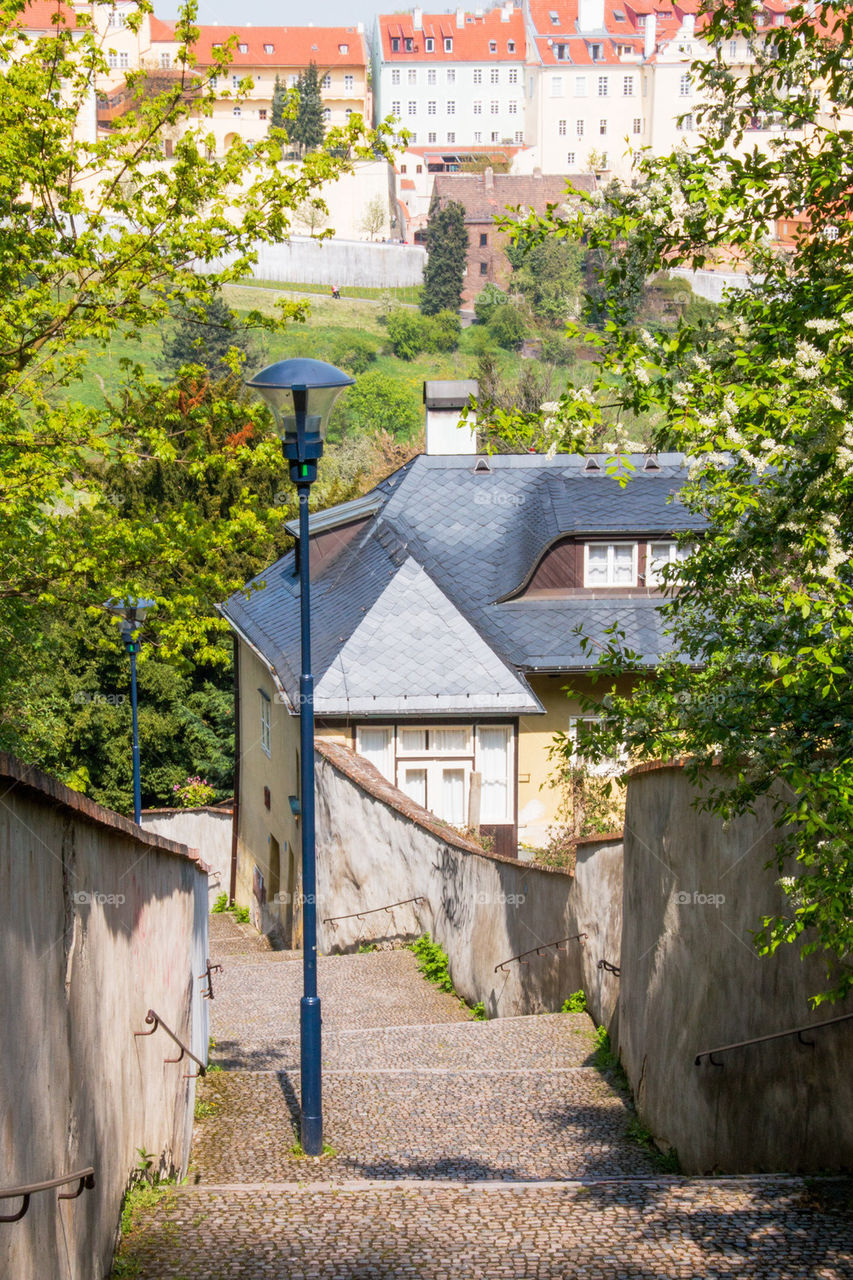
column 579, row 125
column 266, row 723
column 519, row 136
column 262, row 113
column 243, row 48
column 395, row 109
column 560, row 52
column 413, row 139
column 413, row 75
column 326, row 82
column 603, row 86
column 638, row 124
column 419, row 168
column 733, row 48
column 602, row 127
column 556, row 86
column 431, row 76
column 124, row 60
column 484, row 268
column 348, row 112
column 484, row 238
column 584, row 726
column 494, row 107
column 580, row 86
column 512, row 108
column 595, row 52
column 112, row 58
column 451, row 137
column 343, row 48
column 395, row 44
column 269, row 48
column 627, row 86
column 610, row 564
column 493, row 46
column 478, row 108
column 395, row 76
column 451, row 108
column 429, row 44
column 510, row 46
column 448, row 44
column 661, row 554
column 685, row 85
column 494, row 75
column 513, row 75
column 235, row 82
column 377, row 746
column 413, row 106
column 451, row 76
column 430, row 108
column 494, row 136
column 165, row 60
column 237, row 111
column 570, row 159
column 561, row 128
column 408, row 44
column 478, row 137
column 684, row 123
column 349, row 83
column 432, row 137
column 555, row 18
column 478, row 75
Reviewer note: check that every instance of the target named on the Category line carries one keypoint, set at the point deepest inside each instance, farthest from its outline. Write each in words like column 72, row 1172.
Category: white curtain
column 493, row 765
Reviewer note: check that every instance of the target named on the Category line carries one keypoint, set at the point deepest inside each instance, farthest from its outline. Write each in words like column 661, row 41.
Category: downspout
column 235, row 817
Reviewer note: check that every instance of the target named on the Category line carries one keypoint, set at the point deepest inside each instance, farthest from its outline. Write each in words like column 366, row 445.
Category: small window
column 512, row 107
column 243, row 48
column 124, row 59
column 112, row 58
column 478, row 75
column 451, row 76
column 627, row 86
column 262, row 113
column 733, row 48
column 556, row 86
column 451, row 137
column 513, row 75
column 603, row 86
column 579, row 125
column 326, row 82
column 495, row 107
column 595, row 52
column 478, row 136
column 494, row 136
column 684, row 123
column 395, row 44
column 478, row 108
column 579, row 727
column 432, row 137
column 484, row 268
column 395, row 76
column 561, row 128
column 685, row 85
column 266, row 723
column 349, row 83
column 343, row 48
column 510, row 46
column 638, row 124
column 484, row 238
column 610, row 564
column 431, row 76
column 408, row 44
column 413, row 106
column 431, row 108
column 237, row 111
column 493, row 46
column 376, row 744
column 429, row 44
column 413, row 75
column 661, row 554
column 448, row 44
column 494, row 75
column 580, row 86
column 165, row 60
column 327, row 115
column 451, row 108
column 269, row 48
column 570, row 159
column 602, row 127
column 395, row 109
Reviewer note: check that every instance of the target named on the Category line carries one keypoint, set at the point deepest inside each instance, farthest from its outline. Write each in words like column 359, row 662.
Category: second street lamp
column 131, row 614
column 301, row 394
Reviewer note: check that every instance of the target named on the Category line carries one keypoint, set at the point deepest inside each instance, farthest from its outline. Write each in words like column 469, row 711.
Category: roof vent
column 651, row 463
column 591, row 465
column 482, row 467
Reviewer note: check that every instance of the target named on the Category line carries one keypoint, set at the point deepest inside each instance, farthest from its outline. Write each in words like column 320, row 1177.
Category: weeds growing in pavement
column 576, row 1003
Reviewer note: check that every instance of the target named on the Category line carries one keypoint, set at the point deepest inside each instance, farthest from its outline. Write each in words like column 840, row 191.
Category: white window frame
column 603, row 768
column 610, row 585
column 266, row 722
column 677, row 553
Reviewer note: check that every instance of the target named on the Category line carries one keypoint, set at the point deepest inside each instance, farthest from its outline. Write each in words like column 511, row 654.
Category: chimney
column 360, row 28
column 460, row 17
column 507, row 11
column 418, row 19
column 651, row 35
column 537, row 173
column 445, row 403
column 688, row 25
column 590, row 15
column 489, row 178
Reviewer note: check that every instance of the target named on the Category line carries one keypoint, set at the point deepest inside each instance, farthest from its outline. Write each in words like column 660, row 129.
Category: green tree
column 761, row 397
column 378, row 403
column 409, row 333
column 279, row 105
column 507, row 326
column 306, row 129
column 209, row 335
column 447, row 249
column 548, row 274
column 489, row 297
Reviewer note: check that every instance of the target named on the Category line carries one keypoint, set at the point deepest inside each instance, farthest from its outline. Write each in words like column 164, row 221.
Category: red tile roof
column 291, row 46
column 40, row 15
column 470, row 42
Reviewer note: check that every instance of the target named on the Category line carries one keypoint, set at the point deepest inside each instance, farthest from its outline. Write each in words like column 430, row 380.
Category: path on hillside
column 461, row 1151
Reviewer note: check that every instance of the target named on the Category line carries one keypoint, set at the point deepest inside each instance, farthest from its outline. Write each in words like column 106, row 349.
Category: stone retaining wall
column 99, row 923
column 207, row 829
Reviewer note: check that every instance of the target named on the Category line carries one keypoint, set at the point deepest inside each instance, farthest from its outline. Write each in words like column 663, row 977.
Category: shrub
column 507, row 326
column 353, row 352
column 409, row 333
column 433, row 962
column 576, row 1003
column 446, row 329
column 487, row 302
column 377, row 403
column 193, row 793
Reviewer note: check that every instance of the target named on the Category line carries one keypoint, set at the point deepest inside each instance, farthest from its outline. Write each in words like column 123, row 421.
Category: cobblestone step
column 468, row 1124
column 644, row 1229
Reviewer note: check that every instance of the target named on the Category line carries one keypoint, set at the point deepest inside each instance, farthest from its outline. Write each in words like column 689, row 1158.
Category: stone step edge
column 794, row 1181
column 412, row 1071
column 424, row 1026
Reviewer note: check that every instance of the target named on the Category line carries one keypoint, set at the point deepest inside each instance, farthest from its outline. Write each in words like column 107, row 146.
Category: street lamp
column 131, row 614
column 301, row 394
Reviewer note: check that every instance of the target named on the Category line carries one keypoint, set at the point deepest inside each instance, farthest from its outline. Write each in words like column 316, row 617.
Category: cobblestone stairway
column 459, row 1150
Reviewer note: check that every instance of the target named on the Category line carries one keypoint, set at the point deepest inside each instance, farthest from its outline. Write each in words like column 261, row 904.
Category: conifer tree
column 447, row 246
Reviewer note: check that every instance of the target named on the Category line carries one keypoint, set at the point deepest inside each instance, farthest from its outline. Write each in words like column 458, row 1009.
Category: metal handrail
column 358, row 915
column 85, row 1179
column 208, row 974
column 152, row 1017
column 611, row 968
column 775, row 1035
column 575, row 937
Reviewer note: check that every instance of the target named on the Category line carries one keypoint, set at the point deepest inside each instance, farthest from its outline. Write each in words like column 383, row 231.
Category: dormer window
column 408, row 44
column 448, row 44
column 343, row 48
column 269, row 48
column 493, row 46
column 395, row 44
column 660, row 554
column 510, row 46
column 243, row 48
column 610, row 564
column 429, row 44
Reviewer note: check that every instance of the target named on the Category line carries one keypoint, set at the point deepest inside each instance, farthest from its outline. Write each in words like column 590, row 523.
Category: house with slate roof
column 446, row 605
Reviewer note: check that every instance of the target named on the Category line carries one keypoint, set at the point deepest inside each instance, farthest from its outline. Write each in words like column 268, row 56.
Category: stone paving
column 459, row 1151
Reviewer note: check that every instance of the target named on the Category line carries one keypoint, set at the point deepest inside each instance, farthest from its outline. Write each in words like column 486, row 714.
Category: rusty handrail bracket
column 156, row 1021
column 85, row 1179
column 358, row 915
column 208, row 974
column 775, row 1035
column 558, row 945
column 611, row 968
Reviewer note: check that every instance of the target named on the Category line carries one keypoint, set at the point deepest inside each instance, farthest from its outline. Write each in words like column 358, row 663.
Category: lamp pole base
column 312, row 1098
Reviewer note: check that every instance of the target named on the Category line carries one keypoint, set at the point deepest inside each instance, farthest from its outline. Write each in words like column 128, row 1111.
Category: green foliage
column 240, row 914
column 433, row 962
column 374, row 217
column 478, row 1012
column 409, row 333
column 447, row 249
column 354, row 352
column 507, row 327
column 279, row 105
column 575, row 1003
column 760, row 395
column 209, row 335
column 548, row 274
column 487, row 300
column 366, row 948
column 377, row 403
column 445, row 330
column 666, row 1161
column 305, row 127
column 220, row 905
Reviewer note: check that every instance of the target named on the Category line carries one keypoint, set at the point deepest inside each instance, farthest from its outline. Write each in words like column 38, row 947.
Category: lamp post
column 301, row 394
column 131, row 614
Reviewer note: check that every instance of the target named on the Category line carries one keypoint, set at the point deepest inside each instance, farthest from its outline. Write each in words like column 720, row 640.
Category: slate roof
column 411, row 617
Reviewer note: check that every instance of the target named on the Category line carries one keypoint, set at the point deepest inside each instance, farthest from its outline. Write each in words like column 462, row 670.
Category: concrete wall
column 98, row 924
column 341, row 262
column 712, row 285
column 207, row 829
column 694, row 893
column 375, row 846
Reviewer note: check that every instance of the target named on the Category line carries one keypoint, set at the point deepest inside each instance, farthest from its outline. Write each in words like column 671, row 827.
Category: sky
column 283, row 13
